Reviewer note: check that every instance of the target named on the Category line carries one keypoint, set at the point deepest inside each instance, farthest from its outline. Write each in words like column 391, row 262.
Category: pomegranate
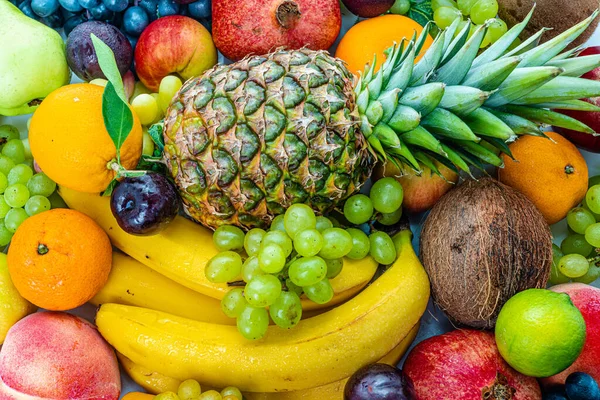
column 466, row 365
column 248, row 27
column 590, row 118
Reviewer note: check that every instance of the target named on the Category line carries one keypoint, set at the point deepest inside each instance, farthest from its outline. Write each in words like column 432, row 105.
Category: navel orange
column 70, row 143
column 551, row 173
column 373, row 36
column 59, row 259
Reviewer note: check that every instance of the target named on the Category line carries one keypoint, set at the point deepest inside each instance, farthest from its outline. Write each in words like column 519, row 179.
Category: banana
column 132, row 283
column 335, row 390
column 318, row 351
column 150, row 381
column 181, row 251
column 156, row 383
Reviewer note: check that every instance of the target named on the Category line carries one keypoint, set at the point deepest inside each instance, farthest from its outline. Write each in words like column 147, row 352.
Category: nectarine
column 587, row 299
column 54, row 355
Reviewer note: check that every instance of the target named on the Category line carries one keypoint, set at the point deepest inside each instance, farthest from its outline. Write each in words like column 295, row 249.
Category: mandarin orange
column 551, row 173
column 59, row 259
column 70, row 143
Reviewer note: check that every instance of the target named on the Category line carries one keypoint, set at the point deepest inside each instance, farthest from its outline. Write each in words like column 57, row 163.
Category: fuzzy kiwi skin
column 481, row 244
column 557, row 14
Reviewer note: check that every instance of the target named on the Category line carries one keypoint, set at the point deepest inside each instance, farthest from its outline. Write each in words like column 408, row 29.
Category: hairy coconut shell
column 482, row 243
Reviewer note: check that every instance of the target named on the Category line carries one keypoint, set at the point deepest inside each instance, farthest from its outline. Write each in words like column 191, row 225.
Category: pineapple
column 245, row 141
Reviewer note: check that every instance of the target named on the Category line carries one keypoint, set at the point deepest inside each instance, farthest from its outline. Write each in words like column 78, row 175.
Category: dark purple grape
column 54, row 21
column 87, row 4
column 135, row 20
column 151, row 8
column 556, row 392
column 44, row 8
column 167, row 7
column 379, row 382
column 581, row 386
column 144, row 205
column 132, row 41
column 100, row 13
column 72, row 22
column 200, row 9
column 71, row 5
column 25, row 8
column 116, row 5
column 207, row 23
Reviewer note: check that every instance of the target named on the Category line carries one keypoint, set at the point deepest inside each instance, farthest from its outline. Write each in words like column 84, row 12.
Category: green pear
column 33, row 61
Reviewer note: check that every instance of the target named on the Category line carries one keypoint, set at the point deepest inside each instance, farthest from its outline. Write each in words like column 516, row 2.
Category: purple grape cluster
column 130, row 16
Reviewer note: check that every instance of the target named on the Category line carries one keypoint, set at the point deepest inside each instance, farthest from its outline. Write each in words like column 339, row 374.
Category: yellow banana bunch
column 318, row 351
column 181, row 251
column 132, row 283
column 156, row 383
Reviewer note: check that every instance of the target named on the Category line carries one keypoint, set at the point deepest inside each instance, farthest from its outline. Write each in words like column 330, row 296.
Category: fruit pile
column 242, row 229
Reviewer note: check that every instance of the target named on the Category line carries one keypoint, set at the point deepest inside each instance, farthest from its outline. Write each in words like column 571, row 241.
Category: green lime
column 539, row 332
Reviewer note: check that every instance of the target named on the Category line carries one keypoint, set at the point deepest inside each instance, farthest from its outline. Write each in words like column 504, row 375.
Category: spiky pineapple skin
column 245, row 141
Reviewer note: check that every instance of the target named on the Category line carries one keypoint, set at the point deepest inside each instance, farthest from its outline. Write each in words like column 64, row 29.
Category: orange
column 551, row 173
column 138, row 396
column 70, row 143
column 59, row 259
column 372, row 36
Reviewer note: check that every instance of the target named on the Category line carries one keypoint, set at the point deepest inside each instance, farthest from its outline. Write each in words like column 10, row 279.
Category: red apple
column 173, row 45
column 591, row 119
column 248, row 27
column 466, row 365
column 587, row 299
column 420, row 192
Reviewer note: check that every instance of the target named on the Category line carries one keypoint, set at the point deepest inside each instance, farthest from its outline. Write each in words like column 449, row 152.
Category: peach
column 54, row 355
column 587, row 299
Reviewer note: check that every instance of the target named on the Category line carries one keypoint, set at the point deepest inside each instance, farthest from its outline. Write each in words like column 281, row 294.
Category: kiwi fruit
column 557, row 14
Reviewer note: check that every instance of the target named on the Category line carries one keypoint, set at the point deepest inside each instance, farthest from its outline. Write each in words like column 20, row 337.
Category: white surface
column 433, row 322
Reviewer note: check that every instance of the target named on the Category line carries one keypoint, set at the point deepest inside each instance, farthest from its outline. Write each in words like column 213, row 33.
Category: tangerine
column 70, row 143
column 551, row 173
column 375, row 35
column 59, row 259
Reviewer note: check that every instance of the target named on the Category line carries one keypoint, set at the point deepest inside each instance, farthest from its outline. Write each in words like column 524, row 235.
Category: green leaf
column 156, row 133
column 420, row 11
column 111, row 186
column 108, row 65
column 118, row 118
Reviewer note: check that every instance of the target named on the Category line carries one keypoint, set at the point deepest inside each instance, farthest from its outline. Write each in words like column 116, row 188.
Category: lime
column 539, row 332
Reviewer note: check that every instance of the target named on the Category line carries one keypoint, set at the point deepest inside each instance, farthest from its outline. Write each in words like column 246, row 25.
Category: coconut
column 559, row 15
column 482, row 243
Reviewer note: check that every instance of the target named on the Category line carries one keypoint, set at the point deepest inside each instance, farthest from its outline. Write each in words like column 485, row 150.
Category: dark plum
column 144, row 205
column 368, row 8
column 581, row 386
column 81, row 56
column 379, row 382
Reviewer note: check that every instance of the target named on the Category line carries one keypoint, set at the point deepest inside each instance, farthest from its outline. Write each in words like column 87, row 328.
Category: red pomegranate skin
column 241, row 28
column 590, row 118
column 464, row 365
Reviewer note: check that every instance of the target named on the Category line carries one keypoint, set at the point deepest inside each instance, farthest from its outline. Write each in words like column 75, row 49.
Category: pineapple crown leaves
column 117, row 116
column 460, row 107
